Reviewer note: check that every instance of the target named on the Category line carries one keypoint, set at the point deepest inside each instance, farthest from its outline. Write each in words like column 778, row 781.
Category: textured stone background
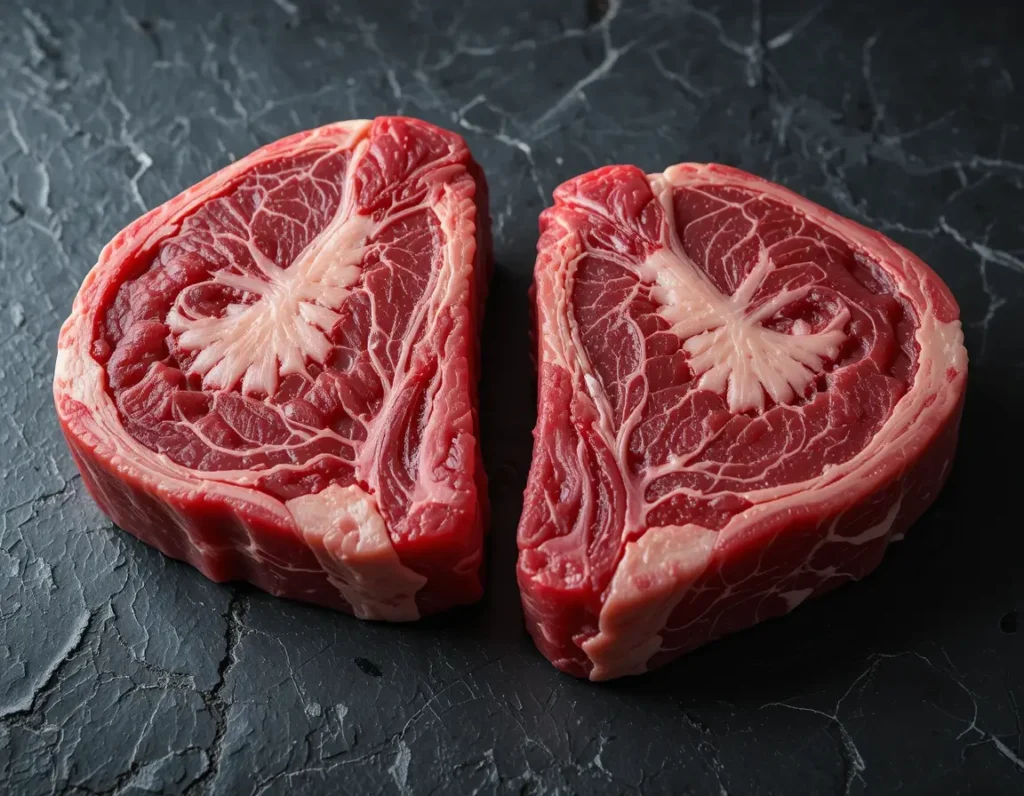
column 123, row 672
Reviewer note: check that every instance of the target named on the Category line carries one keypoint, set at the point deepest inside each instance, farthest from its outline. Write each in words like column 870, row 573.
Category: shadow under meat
column 508, row 411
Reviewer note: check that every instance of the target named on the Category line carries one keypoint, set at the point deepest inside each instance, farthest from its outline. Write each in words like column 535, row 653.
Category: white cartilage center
column 284, row 328
column 725, row 338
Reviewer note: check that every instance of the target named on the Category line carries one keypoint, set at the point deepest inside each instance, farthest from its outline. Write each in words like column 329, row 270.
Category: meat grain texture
column 744, row 398
column 273, row 375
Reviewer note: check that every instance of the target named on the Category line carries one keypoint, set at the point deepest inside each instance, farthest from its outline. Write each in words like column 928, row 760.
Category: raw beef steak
column 743, row 399
column 273, row 376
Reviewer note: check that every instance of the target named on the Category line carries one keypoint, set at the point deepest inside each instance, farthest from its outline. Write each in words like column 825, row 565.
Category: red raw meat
column 743, row 399
column 273, row 375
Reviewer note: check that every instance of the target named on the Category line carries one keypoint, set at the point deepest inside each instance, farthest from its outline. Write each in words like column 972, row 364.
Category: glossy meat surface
column 273, row 375
column 743, row 399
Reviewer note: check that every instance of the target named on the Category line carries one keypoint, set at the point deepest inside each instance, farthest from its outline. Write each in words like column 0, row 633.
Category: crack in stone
column 166, row 678
column 214, row 700
column 983, row 250
column 128, row 140
column 753, row 53
column 19, row 137
column 43, row 44
column 780, row 40
column 50, row 681
column 755, row 50
column 853, row 760
column 986, row 256
column 66, row 490
column 501, row 137
column 985, row 737
column 611, row 57
column 877, row 107
column 706, row 742
column 681, row 80
column 395, row 740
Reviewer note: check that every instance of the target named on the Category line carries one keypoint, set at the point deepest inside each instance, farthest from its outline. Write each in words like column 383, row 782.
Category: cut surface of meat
column 273, row 375
column 743, row 398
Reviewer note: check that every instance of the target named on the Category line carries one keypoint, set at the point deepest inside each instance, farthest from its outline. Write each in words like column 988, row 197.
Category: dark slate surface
column 122, row 672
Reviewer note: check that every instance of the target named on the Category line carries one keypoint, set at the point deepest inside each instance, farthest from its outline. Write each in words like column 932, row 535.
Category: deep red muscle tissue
column 273, row 375
column 744, row 398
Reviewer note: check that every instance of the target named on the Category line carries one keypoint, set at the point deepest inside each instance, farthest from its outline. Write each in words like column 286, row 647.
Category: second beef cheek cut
column 273, row 375
column 744, row 398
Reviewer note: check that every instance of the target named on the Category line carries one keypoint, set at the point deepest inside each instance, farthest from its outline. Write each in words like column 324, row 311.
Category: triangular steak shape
column 744, row 398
